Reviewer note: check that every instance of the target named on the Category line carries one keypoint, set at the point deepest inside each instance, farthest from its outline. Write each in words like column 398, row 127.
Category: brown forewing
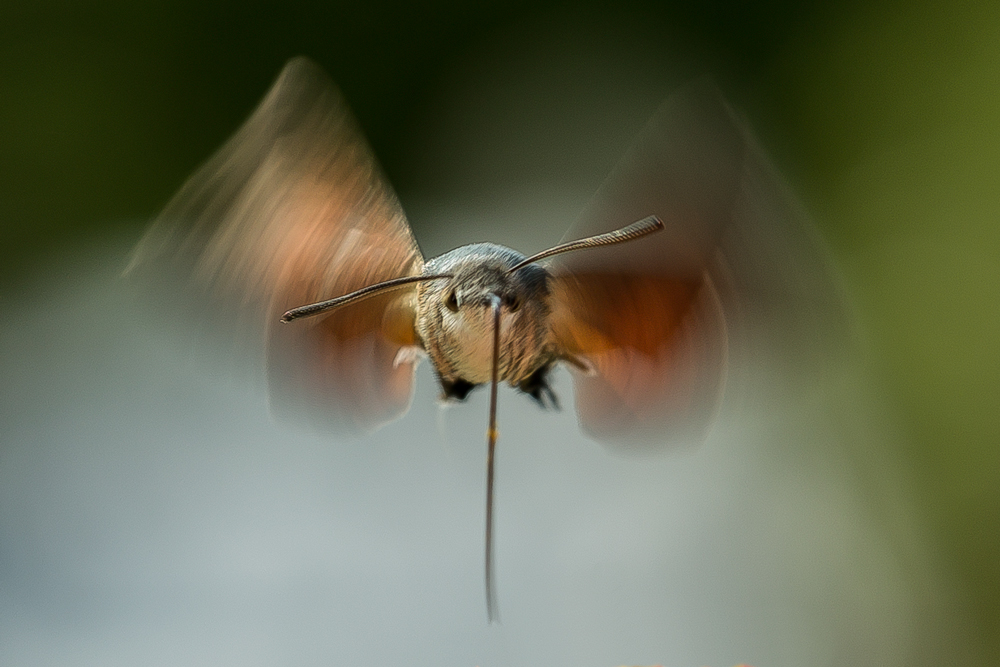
column 655, row 319
column 293, row 209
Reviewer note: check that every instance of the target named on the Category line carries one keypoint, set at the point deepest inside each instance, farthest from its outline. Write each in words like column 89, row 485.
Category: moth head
column 479, row 273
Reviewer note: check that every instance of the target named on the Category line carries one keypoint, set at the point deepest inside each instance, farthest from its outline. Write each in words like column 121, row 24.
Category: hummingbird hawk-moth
column 292, row 219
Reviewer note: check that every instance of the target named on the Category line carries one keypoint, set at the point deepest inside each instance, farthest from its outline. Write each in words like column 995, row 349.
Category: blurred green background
column 885, row 118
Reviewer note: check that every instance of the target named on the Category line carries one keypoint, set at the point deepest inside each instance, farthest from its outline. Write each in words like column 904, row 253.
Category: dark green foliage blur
column 107, row 106
column 886, row 120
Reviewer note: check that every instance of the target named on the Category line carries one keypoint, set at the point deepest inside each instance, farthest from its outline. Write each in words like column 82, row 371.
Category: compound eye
column 451, row 301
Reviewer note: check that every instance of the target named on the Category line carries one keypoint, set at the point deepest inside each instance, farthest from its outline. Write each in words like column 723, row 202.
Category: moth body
column 454, row 320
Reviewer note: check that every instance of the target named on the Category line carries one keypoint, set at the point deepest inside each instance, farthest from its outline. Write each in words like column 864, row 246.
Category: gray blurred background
column 151, row 513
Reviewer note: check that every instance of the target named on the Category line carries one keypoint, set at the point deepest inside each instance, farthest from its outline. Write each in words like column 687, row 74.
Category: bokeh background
column 151, row 513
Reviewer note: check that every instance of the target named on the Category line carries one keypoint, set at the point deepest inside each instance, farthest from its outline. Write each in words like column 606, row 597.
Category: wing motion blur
column 291, row 210
column 654, row 322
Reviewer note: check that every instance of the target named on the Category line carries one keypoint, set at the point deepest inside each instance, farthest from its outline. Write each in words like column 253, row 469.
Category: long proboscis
column 492, row 613
column 358, row 295
column 628, row 233
column 631, row 232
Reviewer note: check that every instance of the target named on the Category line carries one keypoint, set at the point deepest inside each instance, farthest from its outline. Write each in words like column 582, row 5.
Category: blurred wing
column 655, row 320
column 292, row 210
column 655, row 351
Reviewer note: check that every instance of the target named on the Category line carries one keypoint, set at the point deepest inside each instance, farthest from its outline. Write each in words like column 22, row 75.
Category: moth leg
column 456, row 389
column 537, row 386
column 579, row 363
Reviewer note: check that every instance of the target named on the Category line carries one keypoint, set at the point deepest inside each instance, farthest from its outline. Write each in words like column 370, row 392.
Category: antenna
column 629, row 233
column 358, row 295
